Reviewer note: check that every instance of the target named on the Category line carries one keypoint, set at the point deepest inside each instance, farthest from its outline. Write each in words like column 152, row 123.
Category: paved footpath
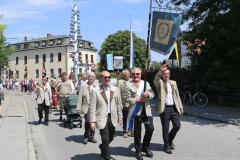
column 16, row 141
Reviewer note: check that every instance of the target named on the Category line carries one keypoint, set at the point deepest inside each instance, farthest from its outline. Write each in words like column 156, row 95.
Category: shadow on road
column 123, row 151
column 75, row 138
column 89, row 156
column 156, row 147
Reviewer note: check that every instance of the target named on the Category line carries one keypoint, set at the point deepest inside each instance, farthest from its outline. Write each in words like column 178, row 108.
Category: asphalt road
column 197, row 139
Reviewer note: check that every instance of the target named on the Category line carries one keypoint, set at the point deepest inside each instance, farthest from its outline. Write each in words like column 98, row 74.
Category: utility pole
column 75, row 37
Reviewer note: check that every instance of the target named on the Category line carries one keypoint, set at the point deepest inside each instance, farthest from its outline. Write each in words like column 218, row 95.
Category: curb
column 30, row 143
column 211, row 119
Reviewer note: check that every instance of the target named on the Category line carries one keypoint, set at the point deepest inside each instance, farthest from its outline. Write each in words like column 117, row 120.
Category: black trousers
column 125, row 116
column 89, row 133
column 41, row 108
column 107, row 135
column 137, row 133
column 170, row 114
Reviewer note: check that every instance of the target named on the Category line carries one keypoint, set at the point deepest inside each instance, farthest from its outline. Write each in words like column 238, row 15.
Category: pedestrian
column 1, row 97
column 105, row 112
column 169, row 106
column 121, row 83
column 44, row 100
column 140, row 112
column 65, row 88
column 83, row 106
column 54, row 93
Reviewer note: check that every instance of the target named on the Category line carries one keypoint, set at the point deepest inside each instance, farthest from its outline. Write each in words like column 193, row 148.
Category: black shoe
column 85, row 140
column 100, row 147
column 172, row 146
column 46, row 123
column 167, row 150
column 139, row 156
column 93, row 140
column 39, row 121
column 148, row 153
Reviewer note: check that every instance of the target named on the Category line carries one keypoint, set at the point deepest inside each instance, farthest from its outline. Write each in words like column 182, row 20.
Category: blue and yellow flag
column 165, row 29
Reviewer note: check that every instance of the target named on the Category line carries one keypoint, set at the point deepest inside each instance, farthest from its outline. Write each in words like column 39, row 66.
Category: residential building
column 50, row 55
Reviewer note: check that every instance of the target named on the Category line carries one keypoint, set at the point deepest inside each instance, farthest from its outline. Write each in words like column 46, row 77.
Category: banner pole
column 148, row 43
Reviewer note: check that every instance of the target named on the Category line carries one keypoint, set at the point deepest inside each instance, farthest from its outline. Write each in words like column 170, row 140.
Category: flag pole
column 148, row 44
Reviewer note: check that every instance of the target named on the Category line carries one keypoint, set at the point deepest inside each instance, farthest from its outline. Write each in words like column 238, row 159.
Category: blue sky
column 98, row 19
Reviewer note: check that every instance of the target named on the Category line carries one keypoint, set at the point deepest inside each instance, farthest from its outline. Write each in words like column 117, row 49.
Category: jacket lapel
column 104, row 96
column 111, row 95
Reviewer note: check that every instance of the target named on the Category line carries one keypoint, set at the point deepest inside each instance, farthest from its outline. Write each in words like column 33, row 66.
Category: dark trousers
column 41, row 108
column 137, row 133
column 89, row 133
column 125, row 116
column 170, row 114
column 107, row 135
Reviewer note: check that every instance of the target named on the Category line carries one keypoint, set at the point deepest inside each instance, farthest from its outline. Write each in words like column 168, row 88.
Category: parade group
column 104, row 106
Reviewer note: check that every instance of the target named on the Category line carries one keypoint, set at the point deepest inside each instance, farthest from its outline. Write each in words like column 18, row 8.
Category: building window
column 51, row 72
column 80, row 70
column 86, row 58
column 18, row 47
column 16, row 60
column 26, row 45
column 51, row 43
column 51, row 57
column 37, row 73
column 25, row 59
column 17, row 74
column 44, row 57
column 59, row 57
column 37, row 44
column 36, row 59
column 44, row 43
column 59, row 72
column 91, row 58
column 59, row 41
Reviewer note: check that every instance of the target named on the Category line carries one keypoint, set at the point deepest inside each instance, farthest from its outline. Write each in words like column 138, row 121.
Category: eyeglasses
column 107, row 77
column 135, row 74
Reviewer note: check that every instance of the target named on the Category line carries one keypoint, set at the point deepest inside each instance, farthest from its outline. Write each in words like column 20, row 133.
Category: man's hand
column 146, row 94
column 120, row 120
column 93, row 126
column 182, row 111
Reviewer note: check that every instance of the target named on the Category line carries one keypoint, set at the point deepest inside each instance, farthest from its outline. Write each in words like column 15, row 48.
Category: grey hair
column 136, row 69
column 91, row 74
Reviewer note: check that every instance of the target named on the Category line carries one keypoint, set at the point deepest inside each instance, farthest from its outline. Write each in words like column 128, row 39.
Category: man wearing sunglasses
column 140, row 112
column 105, row 112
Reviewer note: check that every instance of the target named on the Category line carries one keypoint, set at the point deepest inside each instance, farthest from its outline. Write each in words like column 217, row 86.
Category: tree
column 5, row 50
column 214, row 31
column 119, row 45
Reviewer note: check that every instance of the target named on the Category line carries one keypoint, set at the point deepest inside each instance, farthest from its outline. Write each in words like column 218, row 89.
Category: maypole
column 74, row 38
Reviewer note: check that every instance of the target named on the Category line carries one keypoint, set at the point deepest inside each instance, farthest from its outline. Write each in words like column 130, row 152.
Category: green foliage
column 119, row 45
column 217, row 24
column 5, row 50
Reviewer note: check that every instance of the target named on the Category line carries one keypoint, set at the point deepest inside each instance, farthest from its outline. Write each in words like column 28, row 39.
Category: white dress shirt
column 169, row 96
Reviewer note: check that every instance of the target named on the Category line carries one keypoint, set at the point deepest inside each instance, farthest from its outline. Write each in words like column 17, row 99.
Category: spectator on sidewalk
column 1, row 97
column 105, row 112
column 44, row 100
column 83, row 106
column 169, row 106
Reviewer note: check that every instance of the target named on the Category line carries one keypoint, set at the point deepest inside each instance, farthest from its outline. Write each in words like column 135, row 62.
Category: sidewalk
column 15, row 133
column 215, row 113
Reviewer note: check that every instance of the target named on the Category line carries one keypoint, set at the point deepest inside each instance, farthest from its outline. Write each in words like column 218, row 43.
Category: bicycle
column 198, row 98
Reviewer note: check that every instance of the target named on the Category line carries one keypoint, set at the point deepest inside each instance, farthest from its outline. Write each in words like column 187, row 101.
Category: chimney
column 49, row 35
column 25, row 38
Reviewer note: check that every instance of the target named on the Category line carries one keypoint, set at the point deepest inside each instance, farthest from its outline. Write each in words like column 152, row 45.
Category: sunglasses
column 107, row 77
column 135, row 74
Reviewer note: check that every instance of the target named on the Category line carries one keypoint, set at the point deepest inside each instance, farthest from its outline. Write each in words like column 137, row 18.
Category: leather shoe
column 139, row 156
column 167, row 150
column 148, row 153
column 39, row 121
column 93, row 140
column 85, row 140
column 172, row 146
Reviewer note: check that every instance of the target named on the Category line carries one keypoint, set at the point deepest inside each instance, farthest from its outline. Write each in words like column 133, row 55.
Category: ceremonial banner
column 109, row 62
column 165, row 28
